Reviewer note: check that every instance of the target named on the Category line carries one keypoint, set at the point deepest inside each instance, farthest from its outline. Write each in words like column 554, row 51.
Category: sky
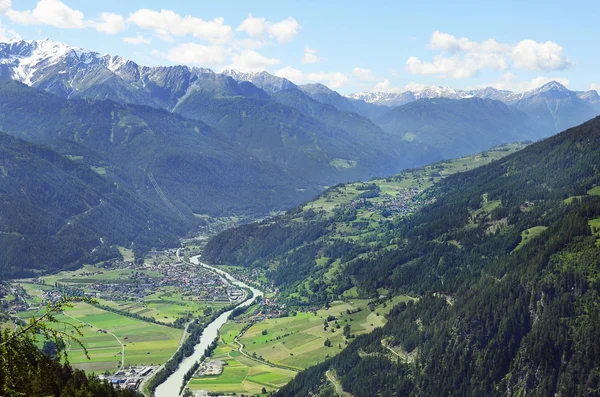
column 350, row 46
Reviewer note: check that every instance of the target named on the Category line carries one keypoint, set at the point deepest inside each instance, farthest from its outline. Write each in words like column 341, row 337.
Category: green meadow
column 290, row 344
column 298, row 341
column 145, row 343
column 241, row 375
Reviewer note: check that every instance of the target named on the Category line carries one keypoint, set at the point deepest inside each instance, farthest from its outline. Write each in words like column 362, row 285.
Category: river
column 170, row 387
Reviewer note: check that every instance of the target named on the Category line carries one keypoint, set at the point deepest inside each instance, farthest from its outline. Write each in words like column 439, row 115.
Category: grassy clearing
column 145, row 343
column 127, row 254
column 241, row 375
column 298, row 341
column 529, row 234
column 595, row 191
column 595, row 228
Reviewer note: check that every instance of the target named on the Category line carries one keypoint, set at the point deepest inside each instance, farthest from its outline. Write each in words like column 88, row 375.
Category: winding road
column 122, row 362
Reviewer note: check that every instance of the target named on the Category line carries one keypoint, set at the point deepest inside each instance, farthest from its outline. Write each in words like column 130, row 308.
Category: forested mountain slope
column 55, row 213
column 196, row 169
column 504, row 260
column 457, row 127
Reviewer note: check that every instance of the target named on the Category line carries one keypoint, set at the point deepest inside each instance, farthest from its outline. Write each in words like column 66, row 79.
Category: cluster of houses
column 403, row 202
column 16, row 303
column 191, row 281
column 129, row 377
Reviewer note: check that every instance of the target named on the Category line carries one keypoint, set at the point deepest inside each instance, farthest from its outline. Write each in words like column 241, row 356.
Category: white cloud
column 167, row 24
column 310, row 55
column 385, row 86
column 7, row 35
column 448, row 43
column 508, row 81
column 461, row 58
column 197, row 54
column 331, row 79
column 58, row 14
column 595, row 86
column 364, row 74
column 456, row 67
column 285, row 30
column 110, row 23
column 255, row 27
column 47, row 12
column 137, row 40
column 544, row 57
column 251, row 61
column 282, row 31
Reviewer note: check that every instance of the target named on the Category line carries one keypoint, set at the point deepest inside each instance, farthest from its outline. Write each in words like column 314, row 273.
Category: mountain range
column 195, row 145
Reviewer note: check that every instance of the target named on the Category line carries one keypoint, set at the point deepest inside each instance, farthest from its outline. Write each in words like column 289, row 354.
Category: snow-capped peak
column 551, row 86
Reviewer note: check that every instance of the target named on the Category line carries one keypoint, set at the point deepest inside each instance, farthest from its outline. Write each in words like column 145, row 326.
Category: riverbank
column 170, row 387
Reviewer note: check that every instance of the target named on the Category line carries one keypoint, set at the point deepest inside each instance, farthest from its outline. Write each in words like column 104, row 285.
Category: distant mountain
column 399, row 99
column 421, row 91
column 312, row 150
column 263, row 80
column 552, row 107
column 56, row 212
column 459, row 127
column 182, row 165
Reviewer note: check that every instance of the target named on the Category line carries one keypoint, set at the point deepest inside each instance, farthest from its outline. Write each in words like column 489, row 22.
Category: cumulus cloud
column 385, row 86
column 461, row 58
column 595, row 86
column 251, row 61
column 448, row 43
column 166, row 24
column 508, row 81
column 457, row 67
column 59, row 15
column 110, row 23
column 137, row 40
column 197, row 54
column 331, row 79
column 310, row 55
column 255, row 27
column 543, row 57
column 282, row 31
column 364, row 74
column 47, row 12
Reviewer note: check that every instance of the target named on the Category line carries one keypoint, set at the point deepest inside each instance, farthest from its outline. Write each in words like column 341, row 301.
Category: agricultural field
column 299, row 341
column 139, row 310
column 241, row 375
column 106, row 335
column 280, row 347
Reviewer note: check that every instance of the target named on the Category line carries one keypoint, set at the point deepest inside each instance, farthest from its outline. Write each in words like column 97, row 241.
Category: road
column 270, row 364
column 122, row 362
column 336, row 384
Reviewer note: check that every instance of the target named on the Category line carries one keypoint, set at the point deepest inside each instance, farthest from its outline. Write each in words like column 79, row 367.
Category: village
column 403, row 202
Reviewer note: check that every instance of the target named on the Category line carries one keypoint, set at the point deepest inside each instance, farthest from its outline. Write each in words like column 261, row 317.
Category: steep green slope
column 55, row 213
column 306, row 249
column 490, row 320
column 308, row 140
column 459, row 127
column 195, row 169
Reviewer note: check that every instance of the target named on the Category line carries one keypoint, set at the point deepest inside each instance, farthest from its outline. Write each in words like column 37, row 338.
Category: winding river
column 170, row 387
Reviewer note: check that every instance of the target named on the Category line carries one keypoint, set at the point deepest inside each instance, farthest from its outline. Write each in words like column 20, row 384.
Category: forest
column 494, row 316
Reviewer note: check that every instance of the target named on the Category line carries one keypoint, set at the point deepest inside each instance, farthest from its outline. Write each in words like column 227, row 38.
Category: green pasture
column 241, row 375
column 529, row 234
column 145, row 343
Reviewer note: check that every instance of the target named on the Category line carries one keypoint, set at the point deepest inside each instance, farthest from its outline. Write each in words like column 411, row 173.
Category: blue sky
column 349, row 45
